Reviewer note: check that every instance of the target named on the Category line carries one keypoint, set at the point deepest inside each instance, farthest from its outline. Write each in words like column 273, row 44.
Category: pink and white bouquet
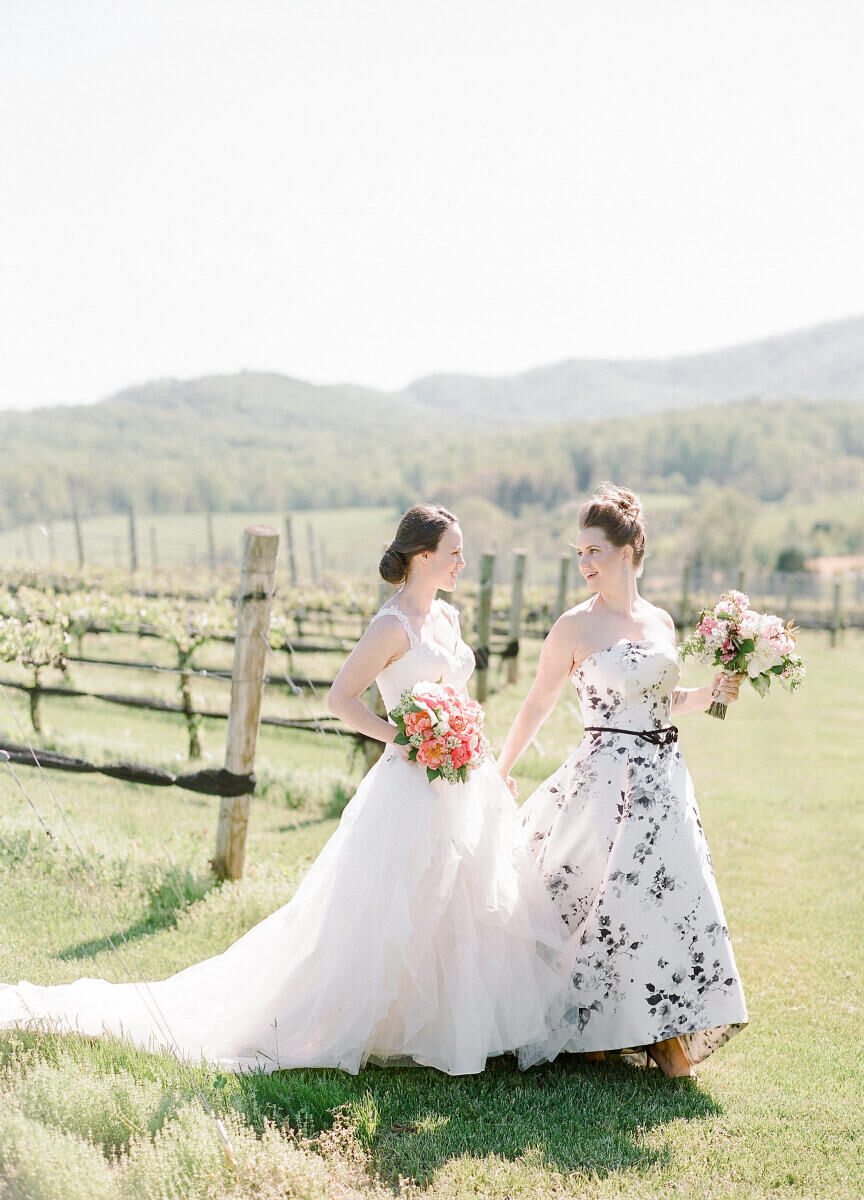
column 734, row 637
column 443, row 729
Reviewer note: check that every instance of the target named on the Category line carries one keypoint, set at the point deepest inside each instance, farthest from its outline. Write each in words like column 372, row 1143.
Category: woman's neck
column 622, row 601
column 417, row 596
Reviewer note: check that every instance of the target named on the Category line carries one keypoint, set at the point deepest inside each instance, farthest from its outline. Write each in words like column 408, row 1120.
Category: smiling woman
column 409, row 937
column 616, row 830
column 617, row 513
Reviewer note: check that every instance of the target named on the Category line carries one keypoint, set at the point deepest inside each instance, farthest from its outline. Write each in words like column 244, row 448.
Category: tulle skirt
column 416, row 935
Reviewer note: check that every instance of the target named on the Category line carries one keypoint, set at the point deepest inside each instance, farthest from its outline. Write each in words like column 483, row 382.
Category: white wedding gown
column 411, row 937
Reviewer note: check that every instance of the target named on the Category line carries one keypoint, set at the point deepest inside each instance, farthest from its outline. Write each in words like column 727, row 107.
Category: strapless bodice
column 628, row 685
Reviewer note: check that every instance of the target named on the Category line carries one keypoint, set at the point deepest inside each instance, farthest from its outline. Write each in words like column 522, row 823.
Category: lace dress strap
column 451, row 612
column 391, row 609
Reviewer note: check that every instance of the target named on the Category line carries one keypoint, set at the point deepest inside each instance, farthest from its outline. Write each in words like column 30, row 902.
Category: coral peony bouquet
column 443, row 729
column 734, row 637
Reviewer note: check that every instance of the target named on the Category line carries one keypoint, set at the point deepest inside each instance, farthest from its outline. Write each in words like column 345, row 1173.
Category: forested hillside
column 255, row 442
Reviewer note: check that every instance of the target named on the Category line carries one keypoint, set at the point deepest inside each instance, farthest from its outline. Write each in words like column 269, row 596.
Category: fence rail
column 497, row 617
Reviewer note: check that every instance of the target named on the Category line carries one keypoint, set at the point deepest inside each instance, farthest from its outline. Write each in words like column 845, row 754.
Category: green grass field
column 349, row 540
column 778, row 1112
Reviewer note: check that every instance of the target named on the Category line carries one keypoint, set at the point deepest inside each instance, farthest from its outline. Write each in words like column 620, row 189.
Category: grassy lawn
column 778, row 1112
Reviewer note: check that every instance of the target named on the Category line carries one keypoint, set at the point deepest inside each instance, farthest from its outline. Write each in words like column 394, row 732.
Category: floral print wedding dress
column 616, row 834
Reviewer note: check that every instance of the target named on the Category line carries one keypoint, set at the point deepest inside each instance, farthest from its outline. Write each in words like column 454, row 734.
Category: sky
column 376, row 190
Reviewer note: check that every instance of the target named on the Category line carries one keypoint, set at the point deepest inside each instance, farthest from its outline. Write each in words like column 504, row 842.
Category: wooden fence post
column 372, row 748
column 313, row 550
column 484, row 624
column 788, row 592
column 563, row 583
column 133, row 544
column 154, row 549
column 289, row 551
column 252, row 641
column 211, row 541
column 79, row 536
column 837, row 622
column 517, row 594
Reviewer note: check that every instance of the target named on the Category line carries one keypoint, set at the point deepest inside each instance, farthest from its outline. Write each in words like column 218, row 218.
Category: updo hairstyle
column 618, row 512
column 419, row 532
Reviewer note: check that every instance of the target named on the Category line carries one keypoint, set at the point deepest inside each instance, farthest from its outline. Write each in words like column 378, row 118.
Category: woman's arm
column 556, row 663
column 383, row 641
column 723, row 687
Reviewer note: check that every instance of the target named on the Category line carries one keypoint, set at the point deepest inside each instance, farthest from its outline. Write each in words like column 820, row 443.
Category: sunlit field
column 778, row 1112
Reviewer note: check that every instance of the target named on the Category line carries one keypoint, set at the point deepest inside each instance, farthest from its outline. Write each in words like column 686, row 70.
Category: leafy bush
column 790, row 559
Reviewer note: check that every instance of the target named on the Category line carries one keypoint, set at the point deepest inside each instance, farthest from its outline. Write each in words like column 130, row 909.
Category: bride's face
column 599, row 560
column 443, row 564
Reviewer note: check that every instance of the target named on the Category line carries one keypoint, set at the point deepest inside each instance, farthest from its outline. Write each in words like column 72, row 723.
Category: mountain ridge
column 820, row 362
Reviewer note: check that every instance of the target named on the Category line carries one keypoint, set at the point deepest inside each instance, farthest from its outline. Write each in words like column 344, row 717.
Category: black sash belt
column 658, row 737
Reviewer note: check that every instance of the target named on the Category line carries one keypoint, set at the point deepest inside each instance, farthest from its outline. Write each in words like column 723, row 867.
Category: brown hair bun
column 393, row 566
column 619, row 513
column 420, row 530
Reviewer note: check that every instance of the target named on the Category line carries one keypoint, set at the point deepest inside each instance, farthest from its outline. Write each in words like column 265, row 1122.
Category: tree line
column 272, row 454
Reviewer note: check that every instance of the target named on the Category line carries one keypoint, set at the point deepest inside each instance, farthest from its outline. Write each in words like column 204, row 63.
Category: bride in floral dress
column 409, row 938
column 616, row 829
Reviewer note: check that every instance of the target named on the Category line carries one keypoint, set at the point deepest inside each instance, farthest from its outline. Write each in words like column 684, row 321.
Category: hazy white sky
column 373, row 190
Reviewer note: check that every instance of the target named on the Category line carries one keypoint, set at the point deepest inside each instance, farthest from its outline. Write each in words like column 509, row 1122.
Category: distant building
column 836, row 564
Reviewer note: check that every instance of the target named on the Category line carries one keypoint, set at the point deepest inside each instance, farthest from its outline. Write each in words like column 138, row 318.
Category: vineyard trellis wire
column 41, row 613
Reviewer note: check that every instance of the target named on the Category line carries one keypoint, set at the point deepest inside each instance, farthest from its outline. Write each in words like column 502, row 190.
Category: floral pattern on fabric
column 617, row 836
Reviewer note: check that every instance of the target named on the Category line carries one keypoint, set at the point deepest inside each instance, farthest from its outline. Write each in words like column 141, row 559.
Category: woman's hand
column 725, row 688
column 511, row 784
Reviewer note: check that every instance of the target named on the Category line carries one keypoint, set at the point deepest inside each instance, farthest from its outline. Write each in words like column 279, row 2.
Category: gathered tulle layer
column 413, row 935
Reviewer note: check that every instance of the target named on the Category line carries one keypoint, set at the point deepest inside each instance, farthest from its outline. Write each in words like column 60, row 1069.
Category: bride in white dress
column 411, row 936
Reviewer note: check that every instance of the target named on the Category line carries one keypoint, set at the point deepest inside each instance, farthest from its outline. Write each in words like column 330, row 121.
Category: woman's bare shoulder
column 661, row 616
column 385, row 629
column 573, row 626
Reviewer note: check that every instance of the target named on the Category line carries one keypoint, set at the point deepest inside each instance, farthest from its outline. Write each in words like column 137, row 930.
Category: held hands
column 725, row 688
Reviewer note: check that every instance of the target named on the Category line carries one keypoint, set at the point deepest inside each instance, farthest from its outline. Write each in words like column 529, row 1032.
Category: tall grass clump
column 41, row 1163
column 109, row 1108
column 320, row 794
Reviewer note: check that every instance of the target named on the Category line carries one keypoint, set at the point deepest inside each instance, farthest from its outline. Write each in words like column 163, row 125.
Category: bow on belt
column 657, row 737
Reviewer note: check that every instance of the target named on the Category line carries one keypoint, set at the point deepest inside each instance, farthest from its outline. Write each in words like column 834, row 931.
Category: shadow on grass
column 171, row 894
column 569, row 1115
